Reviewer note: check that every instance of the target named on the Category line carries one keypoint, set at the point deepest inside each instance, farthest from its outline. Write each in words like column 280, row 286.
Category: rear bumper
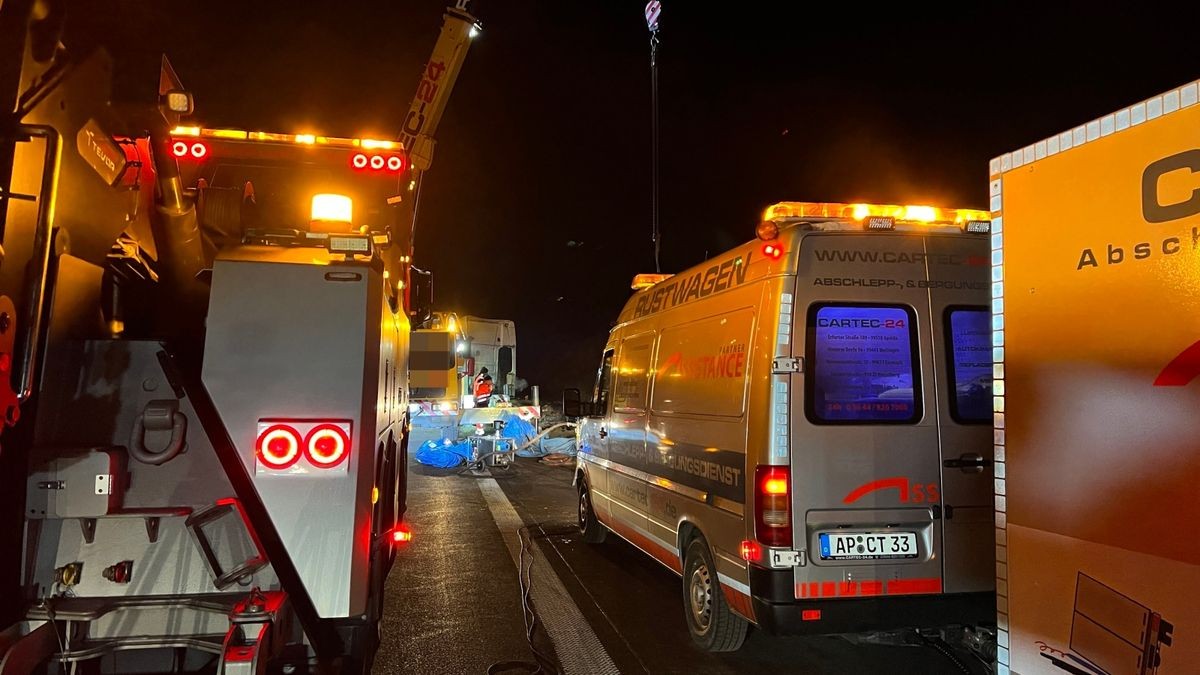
column 777, row 612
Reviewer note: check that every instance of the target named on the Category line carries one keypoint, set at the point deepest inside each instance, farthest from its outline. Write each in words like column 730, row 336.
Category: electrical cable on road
column 545, row 665
column 942, row 649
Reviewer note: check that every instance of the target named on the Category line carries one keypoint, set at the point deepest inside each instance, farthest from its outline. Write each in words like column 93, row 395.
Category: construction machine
column 204, row 348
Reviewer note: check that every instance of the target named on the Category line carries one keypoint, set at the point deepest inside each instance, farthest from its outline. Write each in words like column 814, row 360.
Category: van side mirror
column 572, row 404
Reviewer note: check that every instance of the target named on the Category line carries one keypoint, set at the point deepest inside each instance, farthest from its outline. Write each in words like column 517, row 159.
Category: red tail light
column 193, row 150
column 772, row 251
column 278, row 446
column 327, row 446
column 402, row 534
column 810, row 615
column 773, row 505
column 362, row 161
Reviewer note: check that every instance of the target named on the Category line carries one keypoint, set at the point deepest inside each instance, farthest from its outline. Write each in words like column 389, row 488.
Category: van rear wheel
column 590, row 528
column 713, row 626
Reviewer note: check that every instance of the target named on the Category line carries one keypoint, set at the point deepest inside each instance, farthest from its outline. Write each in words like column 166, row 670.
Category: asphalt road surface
column 454, row 601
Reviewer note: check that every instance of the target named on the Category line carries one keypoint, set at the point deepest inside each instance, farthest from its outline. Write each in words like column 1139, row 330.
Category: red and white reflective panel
column 278, row 446
column 327, row 445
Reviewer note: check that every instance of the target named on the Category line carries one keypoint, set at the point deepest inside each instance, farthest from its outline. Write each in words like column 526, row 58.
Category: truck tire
column 590, row 528
column 714, row 627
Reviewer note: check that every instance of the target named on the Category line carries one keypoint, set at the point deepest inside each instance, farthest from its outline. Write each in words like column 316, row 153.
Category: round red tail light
column 199, row 150
column 394, row 163
column 279, row 446
column 359, row 161
column 179, row 149
column 327, row 445
column 376, row 162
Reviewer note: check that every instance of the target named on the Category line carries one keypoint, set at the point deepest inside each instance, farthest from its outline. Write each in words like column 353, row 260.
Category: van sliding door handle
column 968, row 462
column 603, row 432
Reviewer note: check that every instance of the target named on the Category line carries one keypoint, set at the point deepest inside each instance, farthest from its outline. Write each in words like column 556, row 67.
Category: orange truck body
column 1096, row 339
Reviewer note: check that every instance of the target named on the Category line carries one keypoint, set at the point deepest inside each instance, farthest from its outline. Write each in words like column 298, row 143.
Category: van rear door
column 865, row 460
column 962, row 344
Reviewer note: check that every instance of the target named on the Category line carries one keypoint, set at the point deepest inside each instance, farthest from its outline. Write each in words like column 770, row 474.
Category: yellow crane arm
column 437, row 81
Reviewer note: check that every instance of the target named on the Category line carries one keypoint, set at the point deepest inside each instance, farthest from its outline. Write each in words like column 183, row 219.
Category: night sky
column 537, row 204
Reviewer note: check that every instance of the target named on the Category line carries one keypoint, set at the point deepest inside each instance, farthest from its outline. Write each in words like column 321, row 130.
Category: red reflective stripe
column 872, row 587
column 913, row 586
column 849, row 589
column 643, row 542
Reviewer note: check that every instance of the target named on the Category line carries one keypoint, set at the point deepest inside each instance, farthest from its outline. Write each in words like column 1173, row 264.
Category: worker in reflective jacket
column 483, row 388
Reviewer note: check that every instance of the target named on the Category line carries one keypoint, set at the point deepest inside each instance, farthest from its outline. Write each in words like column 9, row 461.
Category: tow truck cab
column 814, row 409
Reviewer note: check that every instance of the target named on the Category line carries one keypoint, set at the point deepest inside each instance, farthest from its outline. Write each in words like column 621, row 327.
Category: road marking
column 577, row 647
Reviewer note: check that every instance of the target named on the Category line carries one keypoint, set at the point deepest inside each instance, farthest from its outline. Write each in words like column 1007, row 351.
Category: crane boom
column 425, row 112
column 437, row 81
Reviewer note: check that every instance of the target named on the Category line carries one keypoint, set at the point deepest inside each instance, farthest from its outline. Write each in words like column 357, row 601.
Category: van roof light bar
column 644, row 281
column 910, row 213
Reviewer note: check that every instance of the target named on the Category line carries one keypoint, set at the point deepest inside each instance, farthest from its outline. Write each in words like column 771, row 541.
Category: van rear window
column 862, row 365
column 969, row 332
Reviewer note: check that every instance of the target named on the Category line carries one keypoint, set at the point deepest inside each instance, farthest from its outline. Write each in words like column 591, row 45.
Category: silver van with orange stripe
column 801, row 427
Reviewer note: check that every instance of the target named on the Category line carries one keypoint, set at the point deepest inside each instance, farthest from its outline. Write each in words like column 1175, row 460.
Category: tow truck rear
column 208, row 337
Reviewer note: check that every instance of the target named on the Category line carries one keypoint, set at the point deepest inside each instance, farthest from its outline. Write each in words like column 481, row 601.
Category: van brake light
column 772, row 505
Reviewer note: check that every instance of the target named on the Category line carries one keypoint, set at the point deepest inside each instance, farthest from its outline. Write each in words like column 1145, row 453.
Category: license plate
column 868, row 545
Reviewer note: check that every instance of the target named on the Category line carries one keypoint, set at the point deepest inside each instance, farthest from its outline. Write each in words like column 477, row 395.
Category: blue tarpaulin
column 522, row 431
column 558, row 446
column 445, row 454
column 517, row 429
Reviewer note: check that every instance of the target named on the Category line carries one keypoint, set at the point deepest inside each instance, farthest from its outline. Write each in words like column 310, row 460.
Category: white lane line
column 577, row 647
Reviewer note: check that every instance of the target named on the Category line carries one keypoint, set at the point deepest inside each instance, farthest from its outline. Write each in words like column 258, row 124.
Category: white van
column 801, row 427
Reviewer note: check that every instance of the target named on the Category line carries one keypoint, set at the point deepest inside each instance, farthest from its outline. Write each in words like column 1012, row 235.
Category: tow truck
column 204, row 348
